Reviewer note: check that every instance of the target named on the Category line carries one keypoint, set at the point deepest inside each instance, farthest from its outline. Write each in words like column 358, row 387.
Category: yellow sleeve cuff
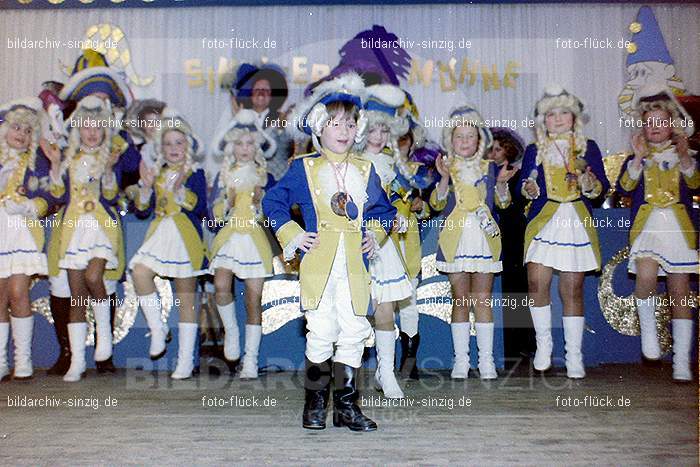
column 41, row 206
column 57, row 190
column 219, row 209
column 627, row 182
column 435, row 203
column 288, row 232
column 190, row 200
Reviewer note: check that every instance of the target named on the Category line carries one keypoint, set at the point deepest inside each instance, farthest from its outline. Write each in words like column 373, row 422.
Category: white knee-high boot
column 408, row 312
column 187, row 336
column 460, row 343
column 22, row 330
column 103, row 330
column 646, row 309
column 384, row 377
column 682, row 340
column 484, row 340
column 253, row 334
column 4, row 340
column 573, row 338
column 542, row 321
column 150, row 304
column 77, row 333
column 232, row 345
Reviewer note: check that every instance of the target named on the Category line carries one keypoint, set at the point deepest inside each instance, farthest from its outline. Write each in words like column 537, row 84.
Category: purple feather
column 361, row 55
column 427, row 154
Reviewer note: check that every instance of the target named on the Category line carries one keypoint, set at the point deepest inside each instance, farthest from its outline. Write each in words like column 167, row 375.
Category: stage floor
column 136, row 417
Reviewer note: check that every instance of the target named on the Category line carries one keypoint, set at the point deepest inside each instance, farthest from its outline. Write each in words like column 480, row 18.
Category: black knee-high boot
column 317, row 384
column 345, row 410
column 60, row 310
column 409, row 356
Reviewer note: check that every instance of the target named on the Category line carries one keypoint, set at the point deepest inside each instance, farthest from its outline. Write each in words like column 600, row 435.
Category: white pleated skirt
column 89, row 241
column 18, row 251
column 390, row 282
column 662, row 240
column 240, row 255
column 563, row 243
column 473, row 252
column 165, row 253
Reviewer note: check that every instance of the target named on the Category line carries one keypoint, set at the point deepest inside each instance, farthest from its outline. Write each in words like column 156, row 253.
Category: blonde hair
column 667, row 106
column 236, row 134
column 457, row 122
column 73, row 147
column 21, row 115
column 182, row 128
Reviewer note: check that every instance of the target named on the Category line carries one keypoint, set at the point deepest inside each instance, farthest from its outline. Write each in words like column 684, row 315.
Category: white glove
column 23, row 208
column 402, row 224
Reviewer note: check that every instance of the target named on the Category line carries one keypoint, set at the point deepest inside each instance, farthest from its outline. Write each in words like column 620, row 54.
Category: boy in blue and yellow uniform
column 346, row 215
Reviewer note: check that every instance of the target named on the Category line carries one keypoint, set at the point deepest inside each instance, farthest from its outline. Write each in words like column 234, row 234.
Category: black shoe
column 409, row 352
column 60, row 310
column 317, row 384
column 105, row 366
column 168, row 339
column 345, row 410
column 651, row 362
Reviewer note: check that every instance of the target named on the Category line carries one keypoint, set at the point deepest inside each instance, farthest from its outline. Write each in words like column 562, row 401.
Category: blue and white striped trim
column 389, row 281
column 87, row 250
column 20, row 251
column 163, row 261
column 242, row 263
column 554, row 243
column 646, row 253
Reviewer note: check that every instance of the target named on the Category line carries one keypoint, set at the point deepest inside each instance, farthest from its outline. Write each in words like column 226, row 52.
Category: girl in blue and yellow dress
column 176, row 192
column 415, row 178
column 562, row 174
column 661, row 177
column 346, row 215
column 23, row 202
column 241, row 247
column 469, row 243
column 390, row 281
column 87, row 241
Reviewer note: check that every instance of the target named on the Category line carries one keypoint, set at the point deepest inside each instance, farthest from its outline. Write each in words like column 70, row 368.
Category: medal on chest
column 571, row 177
column 342, row 203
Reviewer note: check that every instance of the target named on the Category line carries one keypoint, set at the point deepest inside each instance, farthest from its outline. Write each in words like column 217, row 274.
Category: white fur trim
column 349, row 82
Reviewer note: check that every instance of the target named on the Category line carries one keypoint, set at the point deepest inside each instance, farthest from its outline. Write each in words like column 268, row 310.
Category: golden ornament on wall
column 110, row 40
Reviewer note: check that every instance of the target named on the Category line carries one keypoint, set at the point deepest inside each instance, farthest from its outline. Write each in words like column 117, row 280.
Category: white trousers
column 334, row 322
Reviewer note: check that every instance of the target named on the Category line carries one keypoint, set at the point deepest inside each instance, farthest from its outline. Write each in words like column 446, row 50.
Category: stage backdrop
column 501, row 55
